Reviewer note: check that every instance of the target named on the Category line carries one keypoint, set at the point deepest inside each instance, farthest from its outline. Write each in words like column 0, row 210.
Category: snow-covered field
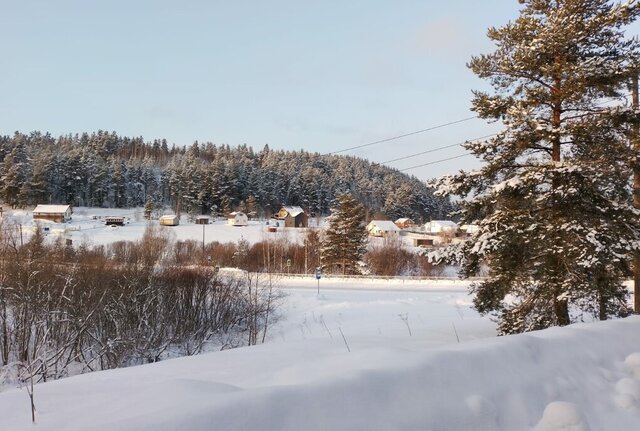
column 345, row 360
column 360, row 355
column 87, row 226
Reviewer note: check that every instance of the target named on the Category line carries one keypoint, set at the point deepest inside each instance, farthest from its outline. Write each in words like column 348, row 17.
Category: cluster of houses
column 431, row 234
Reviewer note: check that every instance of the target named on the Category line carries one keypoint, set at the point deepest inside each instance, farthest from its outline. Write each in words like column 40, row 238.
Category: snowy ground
column 584, row 377
column 87, row 226
column 361, row 355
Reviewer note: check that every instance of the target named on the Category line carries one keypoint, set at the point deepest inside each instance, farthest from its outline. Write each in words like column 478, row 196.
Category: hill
column 106, row 170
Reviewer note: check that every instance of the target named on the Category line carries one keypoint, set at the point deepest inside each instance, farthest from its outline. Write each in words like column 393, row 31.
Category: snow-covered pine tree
column 345, row 239
column 552, row 200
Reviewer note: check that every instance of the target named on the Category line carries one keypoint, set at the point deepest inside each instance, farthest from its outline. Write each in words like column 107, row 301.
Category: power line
column 435, row 161
column 437, row 149
column 453, row 145
column 403, row 136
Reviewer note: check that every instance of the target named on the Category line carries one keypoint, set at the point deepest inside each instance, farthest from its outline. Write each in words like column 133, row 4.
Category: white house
column 441, row 226
column 56, row 213
column 382, row 228
column 237, row 218
column 169, row 220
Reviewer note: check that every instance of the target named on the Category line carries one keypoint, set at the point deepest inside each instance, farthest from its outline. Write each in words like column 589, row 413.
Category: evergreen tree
column 552, row 199
column 345, row 240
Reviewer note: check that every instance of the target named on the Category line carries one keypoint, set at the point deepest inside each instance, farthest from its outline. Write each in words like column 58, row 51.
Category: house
column 203, row 219
column 169, row 220
column 114, row 221
column 292, row 216
column 382, row 228
column 441, row 227
column 56, row 213
column 404, row 223
column 237, row 218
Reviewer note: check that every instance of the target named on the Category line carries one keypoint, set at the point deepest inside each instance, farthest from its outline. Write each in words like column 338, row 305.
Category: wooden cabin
column 55, row 213
column 114, row 221
column 292, row 216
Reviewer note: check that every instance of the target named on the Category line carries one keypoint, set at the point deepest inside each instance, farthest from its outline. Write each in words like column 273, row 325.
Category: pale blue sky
column 313, row 75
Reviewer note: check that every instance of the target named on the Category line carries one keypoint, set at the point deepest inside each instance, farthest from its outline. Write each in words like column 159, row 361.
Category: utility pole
column 635, row 140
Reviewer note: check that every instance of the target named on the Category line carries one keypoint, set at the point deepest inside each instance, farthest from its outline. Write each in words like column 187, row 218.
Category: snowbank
column 582, row 377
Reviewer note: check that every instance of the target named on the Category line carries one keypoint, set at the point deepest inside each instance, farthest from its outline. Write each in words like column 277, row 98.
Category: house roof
column 293, row 211
column 236, row 213
column 169, row 217
column 51, row 209
column 404, row 220
column 384, row 225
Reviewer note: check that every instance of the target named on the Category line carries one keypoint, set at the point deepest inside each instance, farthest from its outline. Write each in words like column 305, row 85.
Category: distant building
column 203, row 219
column 114, row 221
column 292, row 216
column 382, row 228
column 169, row 220
column 441, row 227
column 56, row 213
column 404, row 223
column 237, row 218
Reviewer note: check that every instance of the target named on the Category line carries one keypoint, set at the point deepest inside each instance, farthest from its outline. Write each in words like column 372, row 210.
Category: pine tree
column 552, row 200
column 345, row 240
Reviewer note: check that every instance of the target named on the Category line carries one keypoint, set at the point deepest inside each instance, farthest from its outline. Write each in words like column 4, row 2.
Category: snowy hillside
column 583, row 377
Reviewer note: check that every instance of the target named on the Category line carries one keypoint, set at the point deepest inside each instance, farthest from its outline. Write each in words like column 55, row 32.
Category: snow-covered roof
column 51, row 209
column 293, row 211
column 168, row 217
column 404, row 220
column 236, row 213
column 443, row 223
column 384, row 225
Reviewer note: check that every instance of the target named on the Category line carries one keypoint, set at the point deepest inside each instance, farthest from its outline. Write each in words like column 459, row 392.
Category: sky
column 321, row 76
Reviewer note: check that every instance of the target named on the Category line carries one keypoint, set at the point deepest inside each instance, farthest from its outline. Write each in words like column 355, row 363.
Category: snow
column 84, row 228
column 577, row 378
column 363, row 354
column 51, row 209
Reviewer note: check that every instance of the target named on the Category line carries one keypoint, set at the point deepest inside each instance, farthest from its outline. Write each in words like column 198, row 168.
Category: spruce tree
column 345, row 239
column 552, row 198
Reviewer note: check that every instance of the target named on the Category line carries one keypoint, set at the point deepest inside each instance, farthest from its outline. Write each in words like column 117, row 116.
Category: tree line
column 106, row 170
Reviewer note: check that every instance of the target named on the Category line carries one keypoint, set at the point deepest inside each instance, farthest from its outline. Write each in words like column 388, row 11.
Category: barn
column 237, row 218
column 169, row 220
column 56, row 213
column 203, row 219
column 292, row 216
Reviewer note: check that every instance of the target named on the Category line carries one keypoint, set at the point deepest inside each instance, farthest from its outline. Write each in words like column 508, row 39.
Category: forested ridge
column 103, row 169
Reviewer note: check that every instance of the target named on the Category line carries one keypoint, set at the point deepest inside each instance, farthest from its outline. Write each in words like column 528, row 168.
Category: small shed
column 203, row 219
column 382, row 228
column 292, row 216
column 169, row 220
column 114, row 221
column 237, row 218
column 56, row 213
column 441, row 227
column 423, row 242
column 405, row 223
